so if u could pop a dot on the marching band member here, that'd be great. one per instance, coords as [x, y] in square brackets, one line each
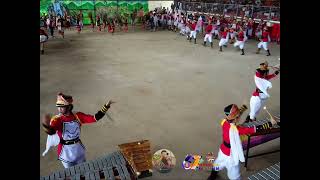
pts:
[241, 38]
[193, 33]
[208, 35]
[64, 130]
[224, 38]
[264, 41]
[215, 31]
[231, 152]
[176, 21]
[250, 28]
[188, 29]
[232, 35]
[260, 95]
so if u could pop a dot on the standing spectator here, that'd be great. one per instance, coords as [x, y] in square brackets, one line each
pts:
[43, 38]
[51, 26]
[155, 21]
[60, 25]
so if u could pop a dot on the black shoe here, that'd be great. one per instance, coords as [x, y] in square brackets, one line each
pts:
[190, 39]
[249, 120]
[258, 51]
[42, 51]
[225, 45]
[211, 44]
[220, 49]
[268, 53]
[195, 41]
[204, 43]
[242, 52]
[213, 175]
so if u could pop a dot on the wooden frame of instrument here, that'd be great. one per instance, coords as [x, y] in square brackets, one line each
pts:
[271, 131]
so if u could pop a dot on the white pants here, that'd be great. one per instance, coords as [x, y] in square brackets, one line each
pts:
[43, 38]
[264, 45]
[223, 41]
[222, 161]
[183, 30]
[41, 46]
[216, 32]
[208, 36]
[193, 34]
[67, 165]
[255, 106]
[239, 43]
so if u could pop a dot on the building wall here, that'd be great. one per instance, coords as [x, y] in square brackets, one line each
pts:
[154, 4]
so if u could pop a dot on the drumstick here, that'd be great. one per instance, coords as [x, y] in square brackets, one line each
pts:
[265, 108]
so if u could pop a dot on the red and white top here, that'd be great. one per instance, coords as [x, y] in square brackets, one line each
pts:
[224, 34]
[193, 26]
[58, 123]
[262, 75]
[225, 135]
[209, 29]
[240, 36]
[265, 36]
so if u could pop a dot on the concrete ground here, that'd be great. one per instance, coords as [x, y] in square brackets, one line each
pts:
[167, 90]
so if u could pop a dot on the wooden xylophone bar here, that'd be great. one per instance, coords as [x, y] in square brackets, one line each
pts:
[269, 135]
[270, 173]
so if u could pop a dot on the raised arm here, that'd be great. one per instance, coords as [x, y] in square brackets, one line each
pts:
[87, 118]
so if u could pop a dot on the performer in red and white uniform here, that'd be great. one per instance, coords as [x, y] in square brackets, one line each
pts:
[260, 95]
[208, 35]
[250, 28]
[241, 38]
[64, 130]
[232, 34]
[264, 41]
[193, 33]
[231, 152]
[43, 38]
[224, 38]
[188, 24]
[215, 31]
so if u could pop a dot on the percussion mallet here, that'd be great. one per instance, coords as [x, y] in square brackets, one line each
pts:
[265, 108]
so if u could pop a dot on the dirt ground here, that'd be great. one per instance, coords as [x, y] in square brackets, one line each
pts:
[167, 90]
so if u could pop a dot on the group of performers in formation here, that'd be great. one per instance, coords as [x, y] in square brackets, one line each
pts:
[227, 29]
[64, 129]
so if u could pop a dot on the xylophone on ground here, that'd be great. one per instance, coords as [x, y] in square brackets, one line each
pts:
[138, 155]
[270, 173]
[109, 167]
[249, 141]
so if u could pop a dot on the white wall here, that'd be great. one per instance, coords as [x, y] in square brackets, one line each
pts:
[153, 4]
